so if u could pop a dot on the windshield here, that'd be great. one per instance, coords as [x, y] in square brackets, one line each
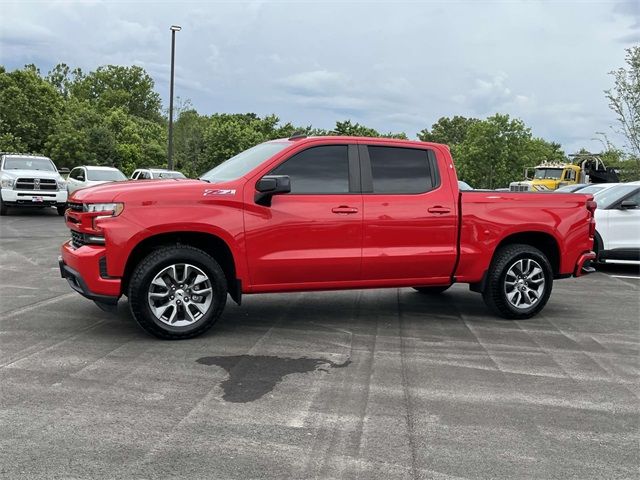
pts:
[554, 173]
[244, 162]
[171, 175]
[29, 163]
[105, 175]
[608, 197]
[591, 189]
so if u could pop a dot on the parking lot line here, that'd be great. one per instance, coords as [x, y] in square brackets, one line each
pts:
[625, 276]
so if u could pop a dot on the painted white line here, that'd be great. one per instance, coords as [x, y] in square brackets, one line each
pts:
[625, 276]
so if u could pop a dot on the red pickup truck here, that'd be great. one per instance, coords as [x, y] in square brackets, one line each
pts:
[318, 213]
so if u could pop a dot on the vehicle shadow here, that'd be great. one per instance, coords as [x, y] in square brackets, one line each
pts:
[619, 268]
[354, 311]
[31, 212]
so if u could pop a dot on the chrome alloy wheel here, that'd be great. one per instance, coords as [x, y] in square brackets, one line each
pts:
[180, 295]
[524, 283]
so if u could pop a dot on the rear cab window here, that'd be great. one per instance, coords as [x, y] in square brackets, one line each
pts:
[398, 170]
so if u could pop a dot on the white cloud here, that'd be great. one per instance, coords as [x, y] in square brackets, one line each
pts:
[313, 63]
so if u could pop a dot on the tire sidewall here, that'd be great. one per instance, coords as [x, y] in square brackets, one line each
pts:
[138, 290]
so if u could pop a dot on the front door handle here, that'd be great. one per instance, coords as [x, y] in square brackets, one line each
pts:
[344, 210]
[438, 209]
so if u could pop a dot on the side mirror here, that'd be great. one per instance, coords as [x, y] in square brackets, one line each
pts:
[271, 185]
[628, 205]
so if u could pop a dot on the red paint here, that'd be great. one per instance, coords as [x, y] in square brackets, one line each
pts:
[312, 242]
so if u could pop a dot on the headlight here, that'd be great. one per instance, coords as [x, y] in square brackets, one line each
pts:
[113, 209]
[62, 184]
[7, 182]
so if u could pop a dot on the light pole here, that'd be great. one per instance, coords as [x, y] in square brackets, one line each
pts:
[174, 29]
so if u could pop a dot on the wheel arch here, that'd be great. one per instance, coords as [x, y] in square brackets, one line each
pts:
[210, 243]
[543, 241]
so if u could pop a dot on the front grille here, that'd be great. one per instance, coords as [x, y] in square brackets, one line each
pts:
[77, 239]
[36, 184]
[519, 188]
[80, 239]
[76, 207]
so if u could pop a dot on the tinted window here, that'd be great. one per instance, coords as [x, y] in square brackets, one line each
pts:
[318, 170]
[144, 176]
[400, 170]
[75, 173]
[634, 198]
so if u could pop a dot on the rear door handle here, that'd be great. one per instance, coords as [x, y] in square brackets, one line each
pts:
[344, 210]
[439, 210]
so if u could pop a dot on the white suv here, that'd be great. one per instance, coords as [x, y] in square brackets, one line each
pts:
[30, 181]
[89, 176]
[618, 222]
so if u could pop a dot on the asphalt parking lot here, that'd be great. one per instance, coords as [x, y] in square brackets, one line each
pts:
[376, 384]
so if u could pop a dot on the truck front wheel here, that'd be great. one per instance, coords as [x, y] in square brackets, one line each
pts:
[519, 282]
[177, 292]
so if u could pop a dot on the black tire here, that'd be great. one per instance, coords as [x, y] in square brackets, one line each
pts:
[598, 247]
[154, 263]
[495, 291]
[432, 290]
[3, 208]
[61, 210]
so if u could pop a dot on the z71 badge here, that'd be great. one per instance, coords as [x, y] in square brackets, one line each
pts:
[210, 191]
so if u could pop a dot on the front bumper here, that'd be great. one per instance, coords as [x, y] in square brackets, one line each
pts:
[33, 198]
[583, 266]
[81, 268]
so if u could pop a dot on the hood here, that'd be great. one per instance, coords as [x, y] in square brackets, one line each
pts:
[138, 189]
[31, 174]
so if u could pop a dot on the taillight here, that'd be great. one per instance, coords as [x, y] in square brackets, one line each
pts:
[591, 206]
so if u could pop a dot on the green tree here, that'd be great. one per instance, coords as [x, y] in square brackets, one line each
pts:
[624, 100]
[450, 131]
[63, 78]
[29, 109]
[112, 86]
[349, 129]
[189, 141]
[495, 152]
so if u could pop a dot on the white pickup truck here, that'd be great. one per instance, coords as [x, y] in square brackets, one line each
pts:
[30, 181]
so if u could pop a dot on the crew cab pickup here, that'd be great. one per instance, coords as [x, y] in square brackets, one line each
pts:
[30, 181]
[318, 213]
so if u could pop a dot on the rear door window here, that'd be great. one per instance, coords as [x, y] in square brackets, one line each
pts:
[398, 170]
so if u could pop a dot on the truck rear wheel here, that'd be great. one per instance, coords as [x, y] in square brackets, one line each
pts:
[177, 292]
[432, 290]
[519, 282]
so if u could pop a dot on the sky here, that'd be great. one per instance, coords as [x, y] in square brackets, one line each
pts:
[390, 65]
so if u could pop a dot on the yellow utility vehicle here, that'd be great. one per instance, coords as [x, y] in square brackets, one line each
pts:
[549, 176]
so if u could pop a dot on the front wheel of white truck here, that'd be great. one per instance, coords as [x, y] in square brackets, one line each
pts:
[519, 282]
[177, 292]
